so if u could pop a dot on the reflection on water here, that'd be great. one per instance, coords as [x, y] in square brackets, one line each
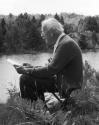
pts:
[8, 74]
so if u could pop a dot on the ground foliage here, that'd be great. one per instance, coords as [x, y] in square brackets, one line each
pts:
[81, 109]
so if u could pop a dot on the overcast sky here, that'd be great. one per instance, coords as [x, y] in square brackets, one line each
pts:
[85, 7]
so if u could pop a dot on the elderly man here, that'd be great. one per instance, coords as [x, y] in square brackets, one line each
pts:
[63, 72]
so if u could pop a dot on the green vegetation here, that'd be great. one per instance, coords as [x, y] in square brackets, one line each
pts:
[21, 34]
[81, 109]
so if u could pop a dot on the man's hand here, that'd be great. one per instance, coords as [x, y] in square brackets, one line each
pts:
[20, 69]
[27, 65]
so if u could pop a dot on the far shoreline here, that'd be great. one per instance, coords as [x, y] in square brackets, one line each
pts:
[34, 52]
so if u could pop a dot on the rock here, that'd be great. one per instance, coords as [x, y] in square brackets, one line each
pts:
[51, 100]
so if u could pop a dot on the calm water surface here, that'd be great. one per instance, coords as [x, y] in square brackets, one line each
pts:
[8, 74]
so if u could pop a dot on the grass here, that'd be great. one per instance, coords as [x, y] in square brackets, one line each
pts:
[81, 109]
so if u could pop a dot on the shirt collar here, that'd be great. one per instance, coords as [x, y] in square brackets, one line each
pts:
[58, 39]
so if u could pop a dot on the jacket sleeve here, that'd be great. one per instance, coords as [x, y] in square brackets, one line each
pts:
[64, 54]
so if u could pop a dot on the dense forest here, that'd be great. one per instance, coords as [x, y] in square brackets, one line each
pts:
[22, 33]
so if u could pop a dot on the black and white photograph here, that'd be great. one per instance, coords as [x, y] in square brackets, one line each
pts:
[49, 62]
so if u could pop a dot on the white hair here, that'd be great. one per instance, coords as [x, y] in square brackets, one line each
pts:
[51, 24]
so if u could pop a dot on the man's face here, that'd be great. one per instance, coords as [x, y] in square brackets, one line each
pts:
[46, 36]
[43, 35]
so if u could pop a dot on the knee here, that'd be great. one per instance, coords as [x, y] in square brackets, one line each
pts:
[23, 77]
[27, 81]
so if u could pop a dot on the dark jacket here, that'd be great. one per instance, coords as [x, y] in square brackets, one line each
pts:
[66, 63]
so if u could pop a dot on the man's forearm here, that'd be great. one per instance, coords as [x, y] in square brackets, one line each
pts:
[39, 71]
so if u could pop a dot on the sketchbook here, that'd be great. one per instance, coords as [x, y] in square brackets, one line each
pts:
[14, 63]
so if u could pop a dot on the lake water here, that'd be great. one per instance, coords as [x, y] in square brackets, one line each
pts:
[8, 74]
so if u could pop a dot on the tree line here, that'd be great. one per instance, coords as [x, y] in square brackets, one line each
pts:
[23, 33]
